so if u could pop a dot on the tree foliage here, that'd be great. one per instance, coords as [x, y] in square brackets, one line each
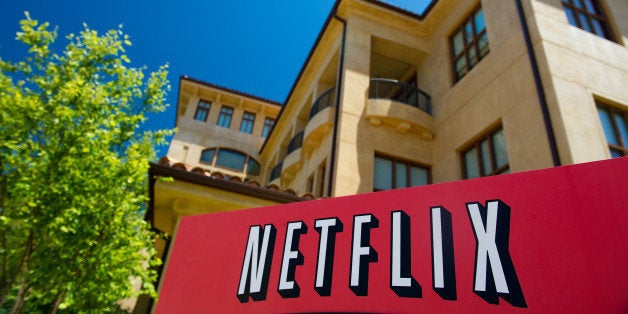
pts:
[73, 165]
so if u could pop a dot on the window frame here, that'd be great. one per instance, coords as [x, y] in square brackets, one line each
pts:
[476, 144]
[474, 44]
[408, 164]
[598, 14]
[248, 122]
[226, 113]
[268, 127]
[202, 109]
[623, 142]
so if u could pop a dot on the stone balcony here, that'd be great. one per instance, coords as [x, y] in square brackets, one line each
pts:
[400, 105]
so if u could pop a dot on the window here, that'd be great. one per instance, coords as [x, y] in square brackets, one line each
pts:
[248, 119]
[268, 126]
[228, 158]
[486, 157]
[469, 44]
[253, 167]
[207, 156]
[614, 123]
[588, 15]
[390, 173]
[202, 110]
[224, 119]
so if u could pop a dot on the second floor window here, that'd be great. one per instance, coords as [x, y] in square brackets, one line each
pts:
[469, 44]
[614, 123]
[248, 119]
[486, 157]
[202, 110]
[230, 159]
[224, 119]
[268, 126]
[391, 173]
[588, 15]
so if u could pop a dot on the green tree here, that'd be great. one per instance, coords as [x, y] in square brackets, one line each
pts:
[73, 165]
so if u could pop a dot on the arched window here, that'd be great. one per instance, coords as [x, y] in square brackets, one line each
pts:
[230, 159]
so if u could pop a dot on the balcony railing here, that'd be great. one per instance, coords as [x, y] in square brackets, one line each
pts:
[400, 92]
[276, 172]
[325, 100]
[295, 143]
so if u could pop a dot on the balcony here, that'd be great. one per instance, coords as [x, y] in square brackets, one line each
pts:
[400, 92]
[295, 143]
[400, 105]
[292, 163]
[276, 172]
[321, 118]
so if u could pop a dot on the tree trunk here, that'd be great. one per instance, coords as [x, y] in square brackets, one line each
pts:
[58, 301]
[24, 265]
[19, 298]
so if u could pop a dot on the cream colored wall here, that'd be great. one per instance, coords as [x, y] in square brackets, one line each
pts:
[499, 90]
[577, 67]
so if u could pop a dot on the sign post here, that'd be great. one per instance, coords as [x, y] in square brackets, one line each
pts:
[553, 240]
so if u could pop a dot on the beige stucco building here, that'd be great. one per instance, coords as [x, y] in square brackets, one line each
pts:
[388, 99]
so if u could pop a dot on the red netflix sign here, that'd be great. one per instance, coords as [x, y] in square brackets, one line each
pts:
[540, 241]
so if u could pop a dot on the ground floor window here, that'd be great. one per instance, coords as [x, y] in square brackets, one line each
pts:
[392, 173]
[487, 156]
[615, 129]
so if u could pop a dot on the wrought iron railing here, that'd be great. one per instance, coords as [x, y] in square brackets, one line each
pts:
[323, 101]
[401, 92]
[295, 143]
[276, 172]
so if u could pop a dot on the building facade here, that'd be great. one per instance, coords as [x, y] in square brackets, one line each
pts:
[389, 99]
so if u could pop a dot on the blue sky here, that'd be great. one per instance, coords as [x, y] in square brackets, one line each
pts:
[257, 47]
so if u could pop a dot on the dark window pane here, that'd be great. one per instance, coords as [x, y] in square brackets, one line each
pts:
[471, 164]
[571, 17]
[499, 145]
[382, 179]
[458, 43]
[208, 155]
[401, 175]
[479, 21]
[623, 129]
[584, 22]
[253, 167]
[590, 6]
[598, 28]
[483, 45]
[578, 3]
[607, 126]
[616, 154]
[473, 57]
[224, 119]
[468, 33]
[230, 159]
[461, 67]
[418, 176]
[202, 110]
[268, 126]
[248, 119]
[486, 157]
